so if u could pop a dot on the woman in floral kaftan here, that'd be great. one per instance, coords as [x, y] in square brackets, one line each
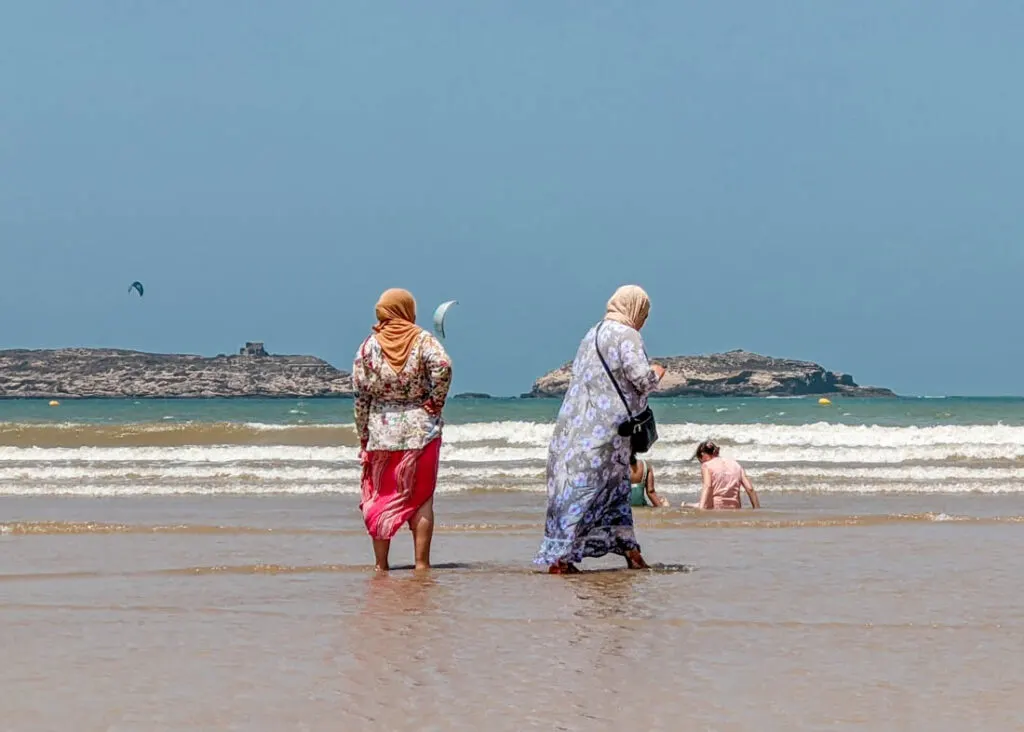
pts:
[588, 462]
[401, 376]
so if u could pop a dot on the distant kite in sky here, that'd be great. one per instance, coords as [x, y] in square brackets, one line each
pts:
[137, 286]
[439, 316]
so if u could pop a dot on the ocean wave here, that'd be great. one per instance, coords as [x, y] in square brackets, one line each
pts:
[182, 434]
[351, 489]
[498, 434]
[166, 488]
[666, 519]
[510, 433]
[166, 459]
[663, 453]
[350, 472]
[129, 480]
[252, 473]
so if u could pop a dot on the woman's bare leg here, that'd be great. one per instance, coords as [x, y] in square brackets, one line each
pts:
[422, 525]
[381, 548]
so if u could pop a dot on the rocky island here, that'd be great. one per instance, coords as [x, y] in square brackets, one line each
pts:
[98, 373]
[732, 374]
[71, 373]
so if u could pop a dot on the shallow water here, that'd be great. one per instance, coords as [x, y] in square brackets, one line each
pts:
[202, 565]
[260, 613]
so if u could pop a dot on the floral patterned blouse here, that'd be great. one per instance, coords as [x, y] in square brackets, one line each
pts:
[389, 407]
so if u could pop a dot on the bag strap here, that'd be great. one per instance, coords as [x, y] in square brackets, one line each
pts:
[604, 363]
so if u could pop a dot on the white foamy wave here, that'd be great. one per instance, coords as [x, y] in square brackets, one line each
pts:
[449, 488]
[350, 488]
[470, 472]
[894, 474]
[510, 433]
[535, 434]
[192, 454]
[153, 472]
[937, 453]
[112, 472]
[820, 434]
[663, 452]
[827, 434]
[249, 454]
[882, 488]
[265, 427]
[105, 490]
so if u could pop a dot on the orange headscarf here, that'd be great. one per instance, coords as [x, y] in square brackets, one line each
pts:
[397, 330]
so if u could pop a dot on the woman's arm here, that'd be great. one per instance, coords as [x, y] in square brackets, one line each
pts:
[652, 494]
[635, 366]
[705, 501]
[363, 399]
[439, 371]
[751, 493]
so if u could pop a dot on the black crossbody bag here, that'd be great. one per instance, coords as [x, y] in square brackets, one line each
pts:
[639, 428]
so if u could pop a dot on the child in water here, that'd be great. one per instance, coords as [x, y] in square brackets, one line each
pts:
[721, 480]
[641, 484]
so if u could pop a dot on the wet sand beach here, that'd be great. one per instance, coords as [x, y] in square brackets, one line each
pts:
[261, 613]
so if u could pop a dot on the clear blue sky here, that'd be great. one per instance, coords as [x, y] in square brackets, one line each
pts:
[835, 181]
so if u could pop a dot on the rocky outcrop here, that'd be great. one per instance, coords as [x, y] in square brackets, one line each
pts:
[735, 374]
[107, 373]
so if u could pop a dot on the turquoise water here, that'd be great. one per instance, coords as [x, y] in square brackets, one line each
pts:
[904, 412]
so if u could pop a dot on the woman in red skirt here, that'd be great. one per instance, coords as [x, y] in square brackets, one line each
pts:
[401, 377]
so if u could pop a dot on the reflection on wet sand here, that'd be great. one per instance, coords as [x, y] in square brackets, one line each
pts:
[779, 628]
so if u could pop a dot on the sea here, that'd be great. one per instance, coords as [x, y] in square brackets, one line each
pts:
[890, 447]
[201, 564]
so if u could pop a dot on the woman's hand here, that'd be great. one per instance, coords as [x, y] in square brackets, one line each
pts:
[658, 501]
[658, 370]
[430, 408]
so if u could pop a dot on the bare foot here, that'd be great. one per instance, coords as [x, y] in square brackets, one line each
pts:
[563, 568]
[422, 566]
[381, 568]
[635, 560]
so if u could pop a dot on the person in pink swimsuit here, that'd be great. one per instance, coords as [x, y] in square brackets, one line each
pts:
[721, 480]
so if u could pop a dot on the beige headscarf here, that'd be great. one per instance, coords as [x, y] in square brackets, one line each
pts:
[629, 306]
[396, 330]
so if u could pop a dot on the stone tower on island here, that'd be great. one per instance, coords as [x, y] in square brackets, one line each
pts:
[254, 349]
